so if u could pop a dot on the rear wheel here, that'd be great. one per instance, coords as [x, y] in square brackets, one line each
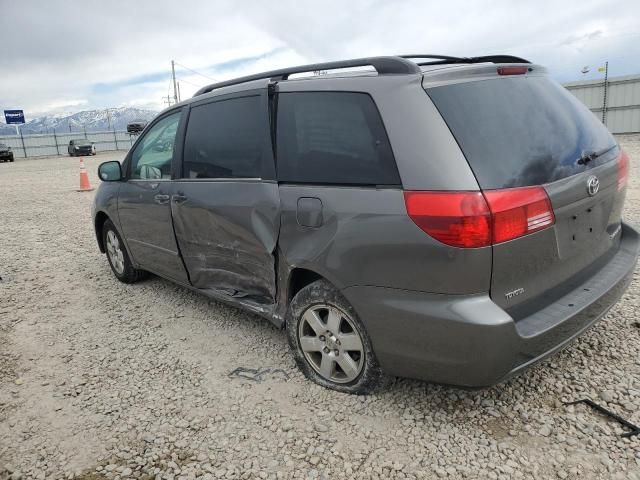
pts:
[329, 342]
[119, 260]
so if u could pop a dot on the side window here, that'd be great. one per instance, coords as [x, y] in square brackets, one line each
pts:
[151, 159]
[333, 138]
[225, 139]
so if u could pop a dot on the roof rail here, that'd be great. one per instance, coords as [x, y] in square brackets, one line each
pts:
[383, 65]
[444, 59]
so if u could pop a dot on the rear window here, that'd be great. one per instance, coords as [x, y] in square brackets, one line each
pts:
[332, 138]
[523, 131]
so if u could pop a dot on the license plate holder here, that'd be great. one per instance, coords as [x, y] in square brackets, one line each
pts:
[580, 230]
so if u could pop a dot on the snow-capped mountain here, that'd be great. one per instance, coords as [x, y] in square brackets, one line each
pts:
[91, 120]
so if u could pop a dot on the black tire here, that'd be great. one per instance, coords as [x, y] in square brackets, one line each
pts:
[321, 293]
[11, 160]
[129, 273]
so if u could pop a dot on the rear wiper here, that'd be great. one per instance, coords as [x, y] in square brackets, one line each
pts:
[587, 157]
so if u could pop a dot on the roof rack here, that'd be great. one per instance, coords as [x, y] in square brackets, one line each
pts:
[444, 59]
[383, 65]
[401, 64]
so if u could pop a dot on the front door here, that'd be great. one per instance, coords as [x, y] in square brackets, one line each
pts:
[226, 207]
[144, 203]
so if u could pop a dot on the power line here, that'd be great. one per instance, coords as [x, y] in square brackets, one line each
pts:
[190, 83]
[196, 72]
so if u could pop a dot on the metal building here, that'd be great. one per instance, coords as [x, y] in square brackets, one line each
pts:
[622, 109]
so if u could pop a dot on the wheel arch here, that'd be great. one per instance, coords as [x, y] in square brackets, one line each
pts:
[299, 278]
[292, 279]
[98, 224]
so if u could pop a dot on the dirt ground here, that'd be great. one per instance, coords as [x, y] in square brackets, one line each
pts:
[104, 380]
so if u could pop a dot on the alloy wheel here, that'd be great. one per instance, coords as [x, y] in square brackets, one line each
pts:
[115, 252]
[331, 343]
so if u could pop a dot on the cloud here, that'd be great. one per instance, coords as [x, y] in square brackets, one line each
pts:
[118, 53]
[582, 39]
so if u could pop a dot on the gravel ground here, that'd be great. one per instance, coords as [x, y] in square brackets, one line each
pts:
[104, 380]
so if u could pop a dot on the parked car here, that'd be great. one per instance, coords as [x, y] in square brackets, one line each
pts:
[448, 219]
[6, 155]
[136, 127]
[81, 146]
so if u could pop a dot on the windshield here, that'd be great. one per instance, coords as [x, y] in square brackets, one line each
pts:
[522, 131]
[82, 143]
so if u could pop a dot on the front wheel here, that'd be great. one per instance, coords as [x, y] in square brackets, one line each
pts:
[329, 342]
[119, 261]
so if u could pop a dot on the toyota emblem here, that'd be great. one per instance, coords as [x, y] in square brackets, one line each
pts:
[593, 185]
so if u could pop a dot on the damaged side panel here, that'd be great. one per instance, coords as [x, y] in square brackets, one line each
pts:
[227, 233]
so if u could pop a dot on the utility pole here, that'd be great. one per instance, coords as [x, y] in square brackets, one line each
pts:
[173, 75]
[604, 96]
[109, 118]
[179, 99]
[167, 100]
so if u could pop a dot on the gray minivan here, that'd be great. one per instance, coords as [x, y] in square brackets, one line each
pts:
[442, 218]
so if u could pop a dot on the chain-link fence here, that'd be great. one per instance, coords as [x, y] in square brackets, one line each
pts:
[38, 145]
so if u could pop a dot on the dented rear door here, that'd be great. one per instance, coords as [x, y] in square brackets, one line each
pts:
[225, 205]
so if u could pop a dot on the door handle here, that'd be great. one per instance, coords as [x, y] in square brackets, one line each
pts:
[161, 199]
[179, 198]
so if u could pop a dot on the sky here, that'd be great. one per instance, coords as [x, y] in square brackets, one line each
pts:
[60, 57]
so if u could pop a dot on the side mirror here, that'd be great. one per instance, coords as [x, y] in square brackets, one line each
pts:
[110, 171]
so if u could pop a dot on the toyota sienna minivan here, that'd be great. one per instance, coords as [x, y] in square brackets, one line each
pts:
[448, 219]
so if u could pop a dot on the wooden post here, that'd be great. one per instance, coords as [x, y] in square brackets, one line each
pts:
[24, 149]
[55, 139]
[604, 99]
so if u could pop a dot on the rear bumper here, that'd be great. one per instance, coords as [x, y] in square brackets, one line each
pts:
[469, 340]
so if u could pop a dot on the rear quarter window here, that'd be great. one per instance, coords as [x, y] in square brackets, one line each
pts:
[332, 138]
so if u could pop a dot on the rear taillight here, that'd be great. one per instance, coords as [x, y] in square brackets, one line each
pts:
[623, 169]
[459, 219]
[475, 219]
[518, 211]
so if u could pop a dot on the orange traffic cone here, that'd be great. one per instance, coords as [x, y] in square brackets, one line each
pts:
[85, 186]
